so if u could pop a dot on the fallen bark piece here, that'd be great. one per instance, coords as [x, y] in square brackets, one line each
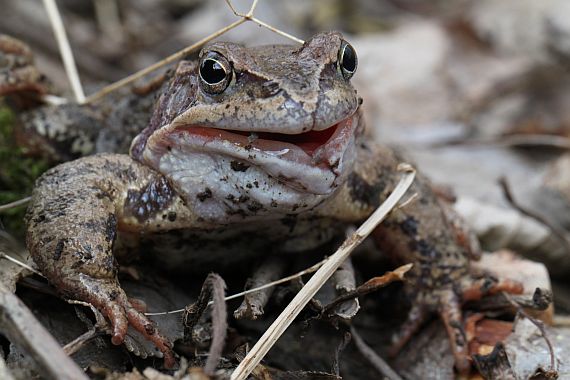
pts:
[253, 303]
[525, 354]
[495, 365]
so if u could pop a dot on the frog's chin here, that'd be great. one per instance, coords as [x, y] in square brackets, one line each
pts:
[204, 162]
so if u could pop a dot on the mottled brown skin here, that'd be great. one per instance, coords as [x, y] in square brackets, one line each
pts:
[80, 209]
[17, 71]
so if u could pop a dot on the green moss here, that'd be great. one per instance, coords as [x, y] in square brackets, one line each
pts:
[17, 173]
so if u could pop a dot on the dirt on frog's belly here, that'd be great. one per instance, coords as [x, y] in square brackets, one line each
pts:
[194, 250]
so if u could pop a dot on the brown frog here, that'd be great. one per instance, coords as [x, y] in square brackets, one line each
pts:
[261, 147]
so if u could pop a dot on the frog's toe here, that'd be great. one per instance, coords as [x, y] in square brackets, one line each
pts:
[116, 315]
[108, 297]
[143, 325]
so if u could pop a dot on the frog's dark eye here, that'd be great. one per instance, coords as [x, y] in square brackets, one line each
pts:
[347, 60]
[215, 72]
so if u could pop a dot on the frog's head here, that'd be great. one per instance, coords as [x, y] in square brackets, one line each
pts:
[257, 128]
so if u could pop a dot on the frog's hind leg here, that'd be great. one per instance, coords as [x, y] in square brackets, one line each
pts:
[450, 312]
[417, 316]
[448, 307]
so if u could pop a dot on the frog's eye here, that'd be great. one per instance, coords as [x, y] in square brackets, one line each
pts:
[215, 72]
[347, 60]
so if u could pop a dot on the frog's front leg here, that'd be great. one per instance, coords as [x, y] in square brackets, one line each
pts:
[77, 208]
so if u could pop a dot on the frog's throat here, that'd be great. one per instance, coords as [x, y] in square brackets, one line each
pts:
[265, 166]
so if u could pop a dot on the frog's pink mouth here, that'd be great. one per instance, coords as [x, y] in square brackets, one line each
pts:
[312, 162]
[308, 141]
[314, 148]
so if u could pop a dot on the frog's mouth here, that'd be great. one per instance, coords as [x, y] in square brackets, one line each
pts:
[313, 148]
[312, 161]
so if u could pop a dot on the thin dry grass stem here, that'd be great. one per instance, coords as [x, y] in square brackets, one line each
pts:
[18, 262]
[64, 49]
[244, 15]
[311, 269]
[408, 201]
[249, 16]
[292, 310]
[14, 204]
[275, 30]
[131, 78]
[78, 343]
[243, 18]
[520, 140]
[557, 231]
[372, 285]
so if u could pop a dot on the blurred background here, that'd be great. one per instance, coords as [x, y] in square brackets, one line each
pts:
[472, 91]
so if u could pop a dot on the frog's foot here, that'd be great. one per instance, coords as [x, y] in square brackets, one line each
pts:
[107, 296]
[18, 73]
[447, 303]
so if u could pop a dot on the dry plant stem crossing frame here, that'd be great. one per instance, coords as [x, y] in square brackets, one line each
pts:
[64, 49]
[278, 327]
[243, 18]
[17, 203]
[71, 68]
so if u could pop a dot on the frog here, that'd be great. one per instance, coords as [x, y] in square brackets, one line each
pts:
[263, 149]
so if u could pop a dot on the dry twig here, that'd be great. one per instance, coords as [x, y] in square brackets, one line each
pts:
[219, 325]
[14, 204]
[311, 269]
[376, 361]
[64, 49]
[346, 338]
[540, 326]
[369, 286]
[243, 18]
[279, 326]
[254, 302]
[20, 263]
[521, 140]
[76, 344]
[213, 287]
[556, 231]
